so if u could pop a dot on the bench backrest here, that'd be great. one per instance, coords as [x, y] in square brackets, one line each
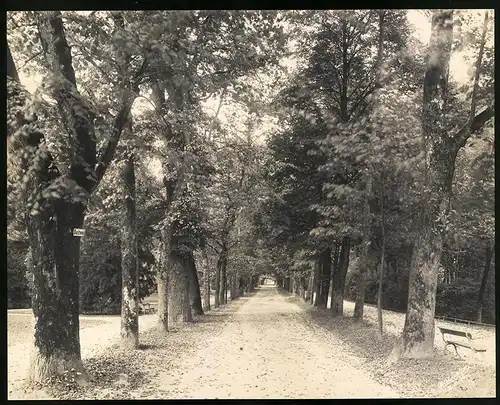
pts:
[455, 332]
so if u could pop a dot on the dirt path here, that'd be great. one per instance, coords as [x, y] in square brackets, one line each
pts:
[268, 344]
[268, 351]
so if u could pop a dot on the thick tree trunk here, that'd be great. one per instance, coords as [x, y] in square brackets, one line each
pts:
[179, 308]
[337, 306]
[55, 299]
[484, 279]
[194, 285]
[326, 269]
[54, 261]
[417, 340]
[130, 267]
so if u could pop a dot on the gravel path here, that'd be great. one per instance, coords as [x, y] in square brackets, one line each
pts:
[267, 344]
[267, 350]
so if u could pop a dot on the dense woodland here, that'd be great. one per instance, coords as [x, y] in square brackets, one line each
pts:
[197, 161]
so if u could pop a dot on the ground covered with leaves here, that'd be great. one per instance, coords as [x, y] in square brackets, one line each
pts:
[264, 345]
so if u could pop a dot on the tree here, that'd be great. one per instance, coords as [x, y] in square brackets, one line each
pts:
[58, 188]
[417, 339]
[130, 265]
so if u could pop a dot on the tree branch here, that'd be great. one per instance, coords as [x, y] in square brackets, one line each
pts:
[107, 153]
[474, 126]
[476, 122]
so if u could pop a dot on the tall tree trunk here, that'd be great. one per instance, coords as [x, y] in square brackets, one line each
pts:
[310, 289]
[55, 303]
[317, 281]
[484, 279]
[382, 259]
[226, 286]
[418, 334]
[365, 262]
[130, 267]
[337, 307]
[326, 269]
[335, 269]
[54, 257]
[417, 339]
[162, 281]
[217, 280]
[206, 265]
[179, 308]
[223, 282]
[194, 285]
[302, 287]
[55, 251]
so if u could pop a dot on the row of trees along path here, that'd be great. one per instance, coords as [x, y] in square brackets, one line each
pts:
[320, 190]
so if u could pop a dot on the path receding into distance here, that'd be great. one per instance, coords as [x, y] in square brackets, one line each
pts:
[262, 345]
[267, 349]
[267, 344]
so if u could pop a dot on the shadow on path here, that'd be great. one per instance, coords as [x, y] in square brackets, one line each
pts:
[422, 376]
[118, 372]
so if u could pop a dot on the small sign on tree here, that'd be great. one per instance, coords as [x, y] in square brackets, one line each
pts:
[78, 232]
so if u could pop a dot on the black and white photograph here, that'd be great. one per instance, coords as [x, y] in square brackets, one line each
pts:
[250, 204]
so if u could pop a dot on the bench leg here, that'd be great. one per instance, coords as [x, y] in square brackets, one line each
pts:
[456, 351]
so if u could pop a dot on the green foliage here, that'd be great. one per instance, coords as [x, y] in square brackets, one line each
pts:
[100, 284]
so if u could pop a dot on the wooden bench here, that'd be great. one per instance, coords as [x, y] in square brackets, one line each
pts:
[467, 344]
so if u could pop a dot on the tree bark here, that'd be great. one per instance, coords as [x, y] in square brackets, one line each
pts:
[11, 66]
[55, 303]
[326, 268]
[484, 279]
[54, 257]
[382, 260]
[337, 306]
[335, 270]
[417, 340]
[179, 308]
[223, 281]
[317, 283]
[129, 331]
[194, 285]
[310, 289]
[226, 288]
[221, 266]
[55, 251]
[206, 265]
[367, 240]
[162, 281]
